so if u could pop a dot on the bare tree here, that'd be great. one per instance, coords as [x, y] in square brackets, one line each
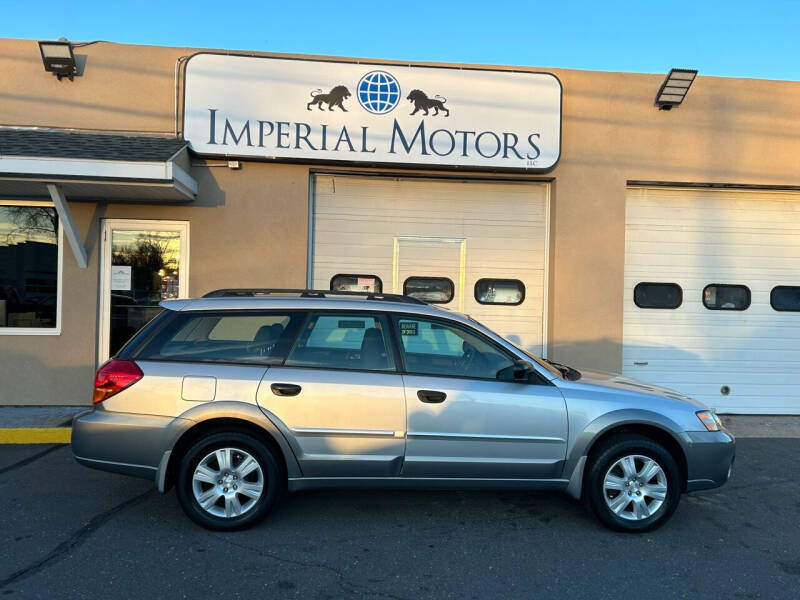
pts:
[146, 257]
[31, 221]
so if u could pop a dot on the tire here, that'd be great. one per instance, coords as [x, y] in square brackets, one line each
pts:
[226, 471]
[640, 504]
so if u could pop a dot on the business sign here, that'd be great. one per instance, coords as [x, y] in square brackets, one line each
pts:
[311, 110]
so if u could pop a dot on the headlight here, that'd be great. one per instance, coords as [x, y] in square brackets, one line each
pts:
[709, 419]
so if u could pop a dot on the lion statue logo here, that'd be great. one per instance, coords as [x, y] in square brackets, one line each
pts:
[422, 102]
[333, 98]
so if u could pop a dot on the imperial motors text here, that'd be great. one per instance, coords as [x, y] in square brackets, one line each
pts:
[417, 139]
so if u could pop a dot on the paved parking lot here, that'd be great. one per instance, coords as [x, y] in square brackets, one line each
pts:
[70, 532]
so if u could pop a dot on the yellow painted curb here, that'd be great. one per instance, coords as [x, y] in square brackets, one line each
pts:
[35, 435]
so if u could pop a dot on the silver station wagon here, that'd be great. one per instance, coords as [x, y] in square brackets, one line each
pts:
[238, 396]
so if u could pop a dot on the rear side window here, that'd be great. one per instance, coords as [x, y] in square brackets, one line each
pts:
[436, 290]
[724, 296]
[785, 298]
[356, 283]
[240, 337]
[343, 341]
[500, 291]
[657, 295]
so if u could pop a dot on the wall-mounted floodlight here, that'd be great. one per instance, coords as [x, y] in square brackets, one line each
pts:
[58, 58]
[674, 89]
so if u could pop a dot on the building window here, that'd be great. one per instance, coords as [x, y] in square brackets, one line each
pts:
[436, 290]
[657, 295]
[30, 269]
[785, 298]
[500, 291]
[723, 296]
[356, 283]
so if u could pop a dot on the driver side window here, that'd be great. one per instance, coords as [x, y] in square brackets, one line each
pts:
[432, 347]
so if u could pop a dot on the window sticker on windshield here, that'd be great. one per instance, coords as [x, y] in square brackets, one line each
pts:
[351, 325]
[408, 328]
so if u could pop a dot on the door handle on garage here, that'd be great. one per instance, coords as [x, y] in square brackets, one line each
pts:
[285, 389]
[431, 397]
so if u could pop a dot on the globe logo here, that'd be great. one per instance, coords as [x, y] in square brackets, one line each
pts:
[378, 92]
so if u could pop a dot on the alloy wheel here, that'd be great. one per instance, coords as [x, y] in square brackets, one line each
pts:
[635, 487]
[227, 482]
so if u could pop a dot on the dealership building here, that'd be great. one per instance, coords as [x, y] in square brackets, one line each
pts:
[637, 223]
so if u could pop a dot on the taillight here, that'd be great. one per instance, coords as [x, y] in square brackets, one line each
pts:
[113, 377]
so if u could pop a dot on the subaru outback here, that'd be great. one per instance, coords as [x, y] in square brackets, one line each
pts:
[241, 395]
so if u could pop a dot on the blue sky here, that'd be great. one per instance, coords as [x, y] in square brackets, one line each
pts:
[736, 39]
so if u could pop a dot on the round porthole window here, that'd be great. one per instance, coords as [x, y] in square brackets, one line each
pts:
[724, 390]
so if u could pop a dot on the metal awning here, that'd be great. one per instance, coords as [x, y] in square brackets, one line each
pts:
[57, 165]
[90, 166]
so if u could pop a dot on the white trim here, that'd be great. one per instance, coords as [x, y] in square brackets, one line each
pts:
[184, 182]
[59, 278]
[147, 171]
[546, 274]
[104, 290]
[68, 224]
[72, 167]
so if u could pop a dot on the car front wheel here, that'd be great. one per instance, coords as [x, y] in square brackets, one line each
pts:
[633, 483]
[228, 481]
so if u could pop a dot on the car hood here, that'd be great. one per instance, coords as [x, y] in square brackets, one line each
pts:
[619, 382]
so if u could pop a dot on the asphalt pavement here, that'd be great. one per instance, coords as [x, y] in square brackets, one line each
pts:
[70, 532]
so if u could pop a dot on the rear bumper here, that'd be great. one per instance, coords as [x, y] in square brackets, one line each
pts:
[121, 442]
[709, 458]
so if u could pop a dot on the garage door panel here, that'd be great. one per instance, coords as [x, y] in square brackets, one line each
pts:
[695, 238]
[720, 357]
[357, 221]
[695, 321]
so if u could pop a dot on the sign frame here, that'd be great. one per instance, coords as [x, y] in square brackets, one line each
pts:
[377, 164]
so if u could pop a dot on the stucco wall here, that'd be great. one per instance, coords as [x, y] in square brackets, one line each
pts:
[251, 233]
[249, 227]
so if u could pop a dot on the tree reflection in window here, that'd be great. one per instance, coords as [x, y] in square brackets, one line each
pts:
[28, 266]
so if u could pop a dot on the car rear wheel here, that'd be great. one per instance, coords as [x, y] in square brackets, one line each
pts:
[228, 480]
[633, 483]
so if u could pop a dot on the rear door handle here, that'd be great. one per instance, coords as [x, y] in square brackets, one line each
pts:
[285, 389]
[431, 397]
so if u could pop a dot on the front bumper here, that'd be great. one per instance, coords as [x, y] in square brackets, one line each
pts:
[709, 458]
[123, 443]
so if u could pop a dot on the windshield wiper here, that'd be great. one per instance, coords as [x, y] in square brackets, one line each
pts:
[567, 373]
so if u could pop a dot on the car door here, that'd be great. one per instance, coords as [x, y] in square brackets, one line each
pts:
[339, 397]
[466, 415]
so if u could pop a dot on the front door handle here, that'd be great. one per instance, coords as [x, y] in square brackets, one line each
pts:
[431, 397]
[285, 389]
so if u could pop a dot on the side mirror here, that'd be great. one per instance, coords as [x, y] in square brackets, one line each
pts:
[522, 370]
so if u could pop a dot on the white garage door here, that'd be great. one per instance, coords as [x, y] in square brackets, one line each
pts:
[412, 230]
[722, 248]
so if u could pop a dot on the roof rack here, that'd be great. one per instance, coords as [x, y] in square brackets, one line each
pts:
[255, 292]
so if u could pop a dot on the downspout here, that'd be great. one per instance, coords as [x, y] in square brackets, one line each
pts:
[178, 63]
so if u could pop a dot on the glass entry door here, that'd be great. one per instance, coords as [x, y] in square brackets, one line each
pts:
[143, 263]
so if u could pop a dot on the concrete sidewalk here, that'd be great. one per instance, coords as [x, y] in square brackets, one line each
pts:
[37, 424]
[763, 426]
[38, 416]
